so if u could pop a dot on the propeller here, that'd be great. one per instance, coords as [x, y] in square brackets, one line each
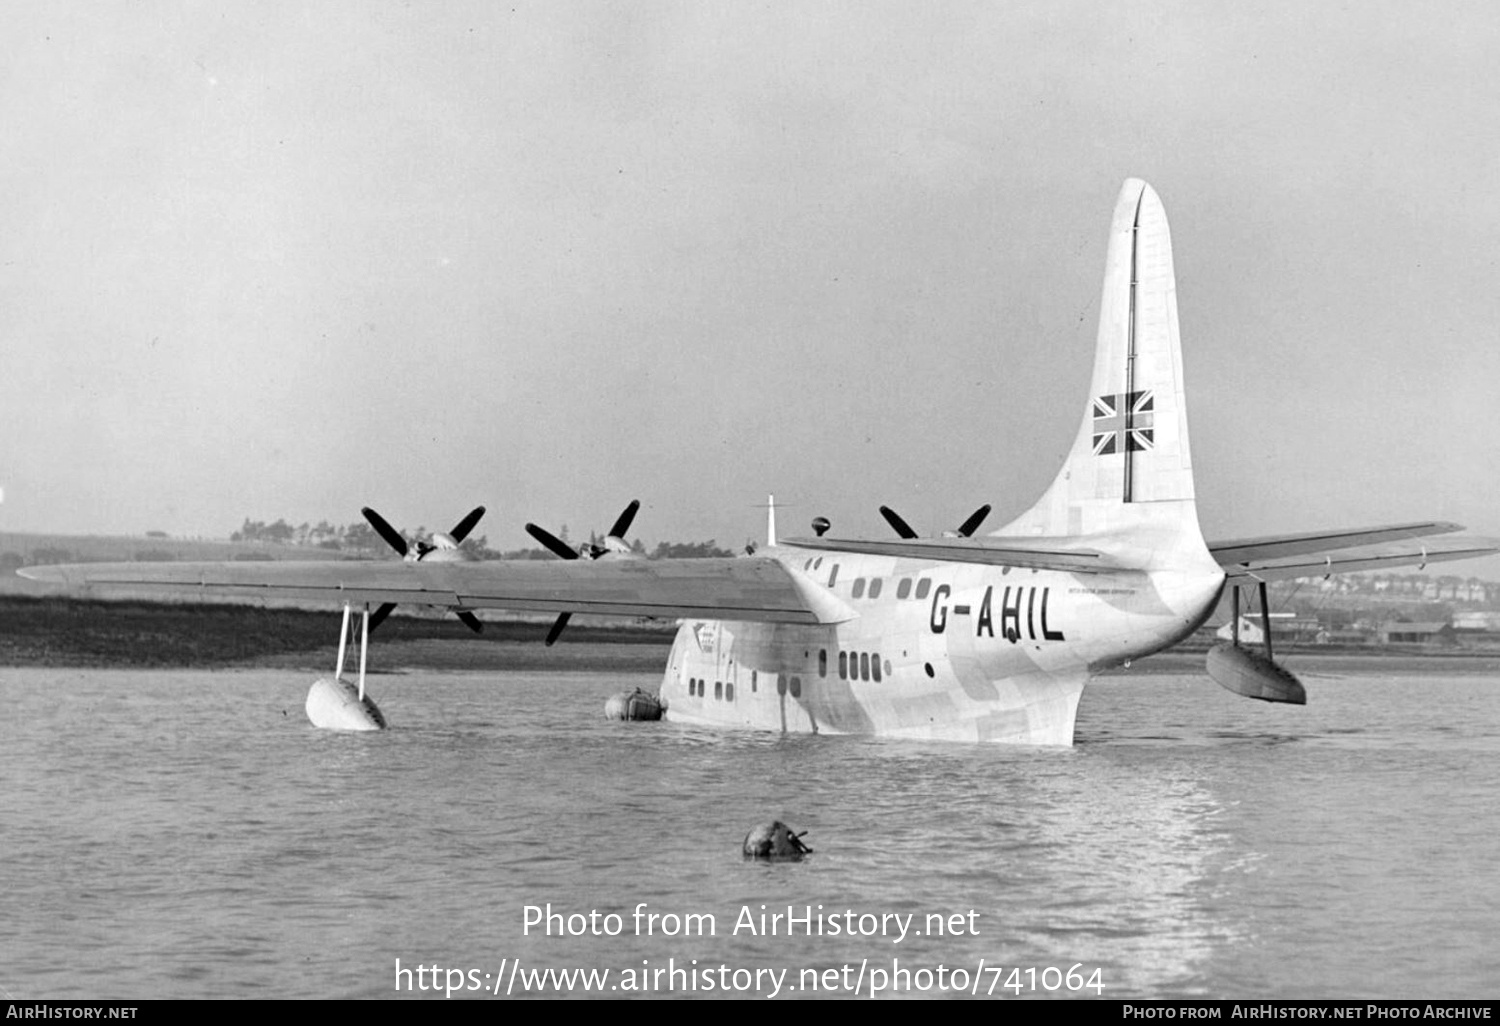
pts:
[968, 527]
[416, 551]
[613, 542]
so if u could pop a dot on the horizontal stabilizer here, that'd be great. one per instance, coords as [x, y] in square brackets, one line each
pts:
[1026, 553]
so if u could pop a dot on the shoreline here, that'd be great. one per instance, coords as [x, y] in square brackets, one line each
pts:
[75, 633]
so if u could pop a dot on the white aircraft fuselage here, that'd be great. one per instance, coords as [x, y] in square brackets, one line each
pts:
[937, 650]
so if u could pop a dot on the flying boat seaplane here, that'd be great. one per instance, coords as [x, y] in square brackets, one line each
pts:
[958, 637]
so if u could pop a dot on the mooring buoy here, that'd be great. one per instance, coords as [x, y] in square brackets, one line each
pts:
[775, 842]
[634, 705]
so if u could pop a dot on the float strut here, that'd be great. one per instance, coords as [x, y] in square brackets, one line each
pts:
[364, 644]
[338, 674]
[1265, 620]
[1235, 630]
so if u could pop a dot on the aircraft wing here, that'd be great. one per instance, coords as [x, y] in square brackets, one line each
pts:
[753, 589]
[1038, 554]
[1331, 552]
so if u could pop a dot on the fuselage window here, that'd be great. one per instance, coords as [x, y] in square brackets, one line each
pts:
[859, 587]
[781, 683]
[822, 662]
[864, 666]
[753, 686]
[843, 666]
[875, 666]
[875, 587]
[817, 562]
[796, 687]
[729, 692]
[923, 587]
[833, 575]
[887, 667]
[904, 588]
[718, 689]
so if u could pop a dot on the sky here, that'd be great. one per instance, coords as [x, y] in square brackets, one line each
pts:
[284, 260]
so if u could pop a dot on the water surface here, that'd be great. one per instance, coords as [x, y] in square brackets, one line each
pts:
[187, 834]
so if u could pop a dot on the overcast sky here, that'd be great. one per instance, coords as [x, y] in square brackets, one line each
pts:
[288, 259]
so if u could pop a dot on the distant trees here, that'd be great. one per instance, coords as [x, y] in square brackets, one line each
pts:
[360, 537]
[689, 550]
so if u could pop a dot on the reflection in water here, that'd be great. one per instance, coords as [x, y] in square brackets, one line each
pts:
[1127, 859]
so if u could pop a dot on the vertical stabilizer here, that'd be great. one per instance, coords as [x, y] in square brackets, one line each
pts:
[1130, 462]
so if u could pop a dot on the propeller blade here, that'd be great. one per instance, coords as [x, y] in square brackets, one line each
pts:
[557, 545]
[464, 526]
[378, 617]
[900, 526]
[557, 627]
[976, 518]
[470, 620]
[392, 537]
[622, 523]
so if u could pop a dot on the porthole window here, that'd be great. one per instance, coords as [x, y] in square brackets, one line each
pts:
[875, 588]
[796, 687]
[923, 587]
[903, 589]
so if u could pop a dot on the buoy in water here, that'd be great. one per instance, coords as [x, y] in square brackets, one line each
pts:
[634, 705]
[335, 705]
[775, 842]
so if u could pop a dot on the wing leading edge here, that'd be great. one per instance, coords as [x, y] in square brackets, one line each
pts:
[750, 589]
[1333, 552]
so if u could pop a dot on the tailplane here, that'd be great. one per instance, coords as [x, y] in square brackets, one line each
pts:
[1130, 465]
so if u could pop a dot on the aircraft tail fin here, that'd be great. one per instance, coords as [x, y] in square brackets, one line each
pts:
[1130, 464]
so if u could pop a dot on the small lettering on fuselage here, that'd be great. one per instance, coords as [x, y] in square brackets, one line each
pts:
[1013, 600]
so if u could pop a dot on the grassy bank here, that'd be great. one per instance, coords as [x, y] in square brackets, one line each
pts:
[91, 633]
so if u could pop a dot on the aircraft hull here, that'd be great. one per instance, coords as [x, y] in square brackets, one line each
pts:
[982, 655]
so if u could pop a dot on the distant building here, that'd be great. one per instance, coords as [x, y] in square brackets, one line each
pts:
[1431, 634]
[1477, 620]
[1284, 627]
